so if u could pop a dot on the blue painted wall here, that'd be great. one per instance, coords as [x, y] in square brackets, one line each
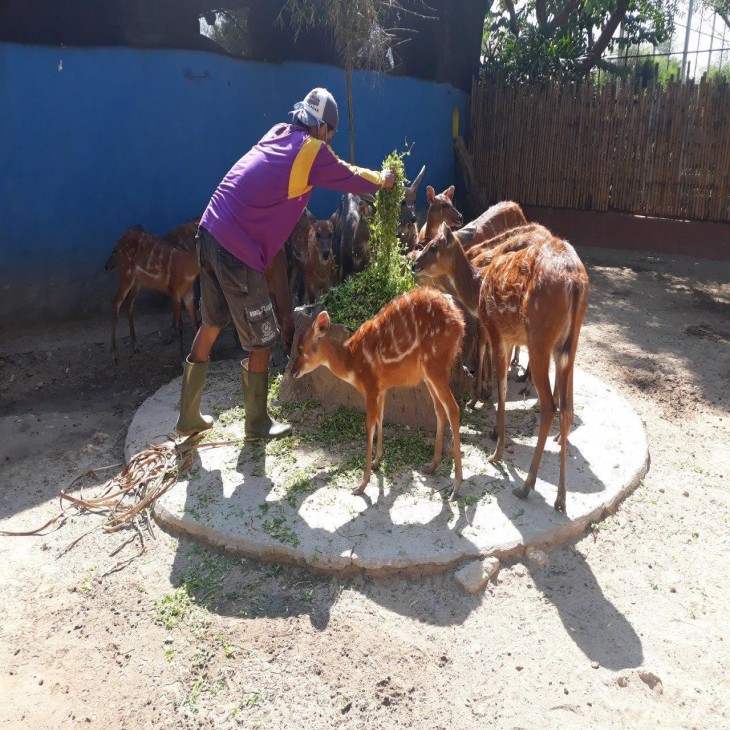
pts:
[95, 140]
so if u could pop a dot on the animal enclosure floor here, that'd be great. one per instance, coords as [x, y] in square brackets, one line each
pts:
[625, 626]
[291, 500]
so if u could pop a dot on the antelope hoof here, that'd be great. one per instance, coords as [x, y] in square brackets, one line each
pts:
[521, 492]
[559, 504]
[495, 457]
[357, 491]
[455, 490]
[431, 468]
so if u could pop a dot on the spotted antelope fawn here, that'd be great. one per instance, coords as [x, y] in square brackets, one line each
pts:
[414, 338]
[533, 292]
[144, 260]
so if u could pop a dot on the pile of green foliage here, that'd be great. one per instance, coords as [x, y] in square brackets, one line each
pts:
[363, 295]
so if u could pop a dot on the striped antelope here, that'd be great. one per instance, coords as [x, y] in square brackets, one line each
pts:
[441, 210]
[414, 338]
[144, 260]
[477, 238]
[533, 292]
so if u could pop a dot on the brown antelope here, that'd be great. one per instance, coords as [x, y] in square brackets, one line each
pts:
[483, 233]
[319, 270]
[534, 293]
[183, 236]
[482, 253]
[440, 210]
[480, 256]
[414, 338]
[144, 260]
[312, 265]
[496, 219]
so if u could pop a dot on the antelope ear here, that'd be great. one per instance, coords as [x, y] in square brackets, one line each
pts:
[321, 325]
[334, 218]
[449, 193]
[430, 193]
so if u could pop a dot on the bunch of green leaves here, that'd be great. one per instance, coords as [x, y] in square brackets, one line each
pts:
[363, 295]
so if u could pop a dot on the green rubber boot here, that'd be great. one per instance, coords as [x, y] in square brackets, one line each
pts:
[193, 380]
[258, 424]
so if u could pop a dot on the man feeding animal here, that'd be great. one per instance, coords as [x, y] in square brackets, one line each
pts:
[246, 223]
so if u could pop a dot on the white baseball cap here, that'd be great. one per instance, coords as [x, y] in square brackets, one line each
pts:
[319, 106]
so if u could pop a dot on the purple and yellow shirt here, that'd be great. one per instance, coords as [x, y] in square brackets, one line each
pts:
[255, 208]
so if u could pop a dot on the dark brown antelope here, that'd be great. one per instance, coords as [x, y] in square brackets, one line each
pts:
[351, 237]
[407, 222]
[146, 261]
[414, 338]
[534, 293]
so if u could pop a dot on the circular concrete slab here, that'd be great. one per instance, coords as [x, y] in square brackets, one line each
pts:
[290, 500]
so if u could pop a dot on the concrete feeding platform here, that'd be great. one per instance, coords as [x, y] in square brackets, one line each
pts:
[290, 501]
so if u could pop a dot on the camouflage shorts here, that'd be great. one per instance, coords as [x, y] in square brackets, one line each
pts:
[230, 290]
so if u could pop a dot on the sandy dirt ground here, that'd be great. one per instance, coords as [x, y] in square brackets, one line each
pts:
[626, 627]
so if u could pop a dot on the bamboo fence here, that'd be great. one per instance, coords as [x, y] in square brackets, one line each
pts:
[654, 151]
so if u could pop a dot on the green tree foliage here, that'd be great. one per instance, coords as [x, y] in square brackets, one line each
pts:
[229, 29]
[647, 64]
[568, 39]
[359, 36]
[721, 7]
[359, 28]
